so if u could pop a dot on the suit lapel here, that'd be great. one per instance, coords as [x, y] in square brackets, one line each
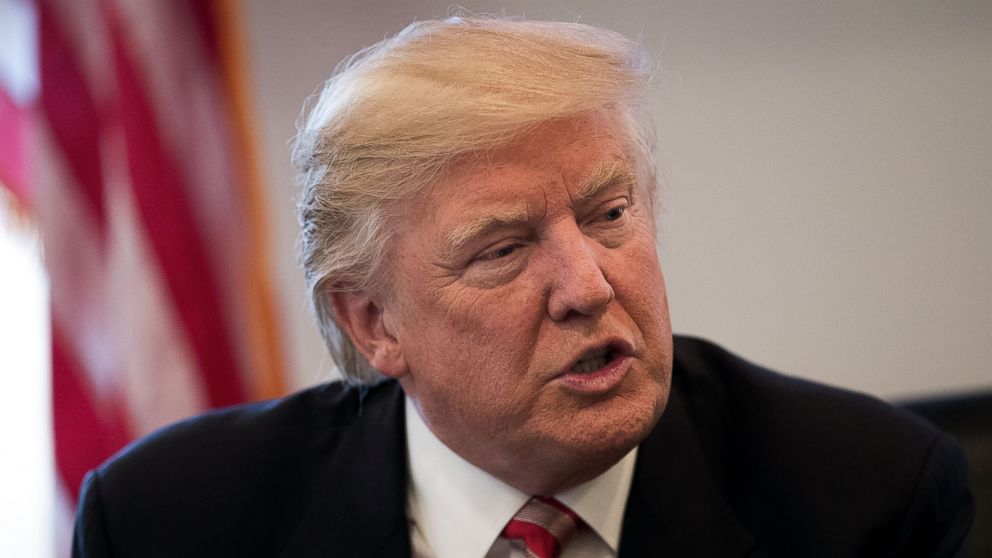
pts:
[361, 507]
[675, 507]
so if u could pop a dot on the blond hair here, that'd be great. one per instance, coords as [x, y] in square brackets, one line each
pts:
[394, 116]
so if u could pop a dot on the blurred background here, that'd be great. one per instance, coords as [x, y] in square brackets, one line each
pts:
[826, 186]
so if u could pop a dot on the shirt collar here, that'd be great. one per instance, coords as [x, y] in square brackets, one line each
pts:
[460, 509]
[602, 501]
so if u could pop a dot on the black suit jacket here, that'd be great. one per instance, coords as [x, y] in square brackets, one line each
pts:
[744, 462]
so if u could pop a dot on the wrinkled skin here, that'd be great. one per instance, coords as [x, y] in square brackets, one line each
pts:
[505, 274]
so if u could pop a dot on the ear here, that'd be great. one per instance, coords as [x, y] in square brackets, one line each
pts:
[363, 321]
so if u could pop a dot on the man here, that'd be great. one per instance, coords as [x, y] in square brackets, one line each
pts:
[479, 246]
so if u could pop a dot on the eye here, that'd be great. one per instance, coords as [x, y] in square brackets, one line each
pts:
[498, 253]
[615, 213]
[611, 222]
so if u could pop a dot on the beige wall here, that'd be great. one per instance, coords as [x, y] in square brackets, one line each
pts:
[827, 166]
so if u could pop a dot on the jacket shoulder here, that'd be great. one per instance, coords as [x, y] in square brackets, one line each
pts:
[253, 434]
[236, 481]
[820, 465]
[714, 379]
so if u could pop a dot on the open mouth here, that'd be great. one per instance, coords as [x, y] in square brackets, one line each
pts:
[598, 371]
[593, 360]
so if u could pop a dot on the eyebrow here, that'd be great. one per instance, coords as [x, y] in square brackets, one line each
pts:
[617, 172]
[464, 234]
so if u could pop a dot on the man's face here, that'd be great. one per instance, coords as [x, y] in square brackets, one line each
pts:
[530, 309]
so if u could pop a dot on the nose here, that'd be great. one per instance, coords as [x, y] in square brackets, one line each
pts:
[578, 285]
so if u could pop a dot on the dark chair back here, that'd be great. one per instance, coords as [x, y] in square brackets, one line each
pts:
[969, 419]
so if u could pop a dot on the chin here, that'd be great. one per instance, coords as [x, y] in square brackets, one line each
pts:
[611, 431]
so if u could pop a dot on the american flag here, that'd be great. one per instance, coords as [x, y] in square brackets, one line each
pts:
[131, 146]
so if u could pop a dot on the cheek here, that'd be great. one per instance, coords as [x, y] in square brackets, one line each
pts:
[480, 336]
[640, 286]
[636, 263]
[469, 356]
[496, 316]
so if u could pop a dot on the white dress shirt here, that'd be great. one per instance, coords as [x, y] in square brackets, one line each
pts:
[457, 510]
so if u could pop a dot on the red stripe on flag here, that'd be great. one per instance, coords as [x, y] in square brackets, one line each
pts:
[161, 200]
[205, 20]
[71, 111]
[83, 436]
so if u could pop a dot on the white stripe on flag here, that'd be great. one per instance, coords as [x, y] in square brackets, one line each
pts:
[160, 378]
[77, 267]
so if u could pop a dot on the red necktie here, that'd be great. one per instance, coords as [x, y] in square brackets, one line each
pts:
[544, 525]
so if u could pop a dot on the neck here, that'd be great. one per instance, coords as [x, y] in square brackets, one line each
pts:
[547, 477]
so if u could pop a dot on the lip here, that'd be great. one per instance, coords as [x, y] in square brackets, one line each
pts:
[604, 380]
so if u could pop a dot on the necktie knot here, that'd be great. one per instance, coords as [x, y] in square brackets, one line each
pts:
[544, 525]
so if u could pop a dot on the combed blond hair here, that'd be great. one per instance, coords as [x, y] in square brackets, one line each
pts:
[393, 117]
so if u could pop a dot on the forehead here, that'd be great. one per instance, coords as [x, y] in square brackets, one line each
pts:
[571, 155]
